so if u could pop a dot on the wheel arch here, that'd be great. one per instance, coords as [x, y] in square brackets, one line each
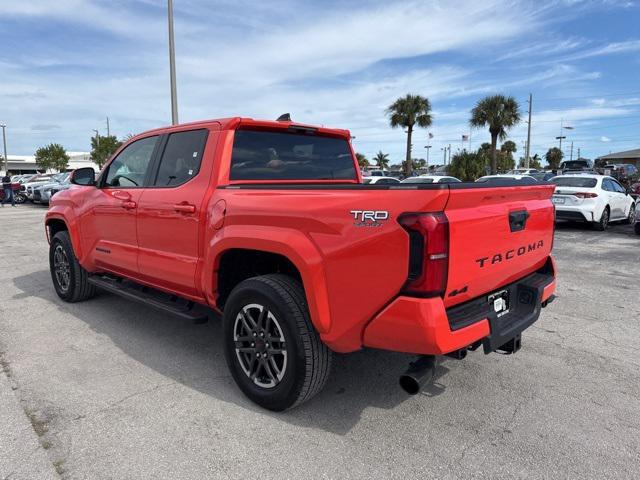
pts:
[284, 250]
[55, 223]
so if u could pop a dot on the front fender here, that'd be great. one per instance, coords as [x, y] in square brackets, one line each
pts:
[292, 244]
[65, 214]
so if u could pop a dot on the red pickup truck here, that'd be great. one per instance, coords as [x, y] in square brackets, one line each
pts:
[269, 224]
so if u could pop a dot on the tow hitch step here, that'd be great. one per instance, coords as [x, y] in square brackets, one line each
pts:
[180, 307]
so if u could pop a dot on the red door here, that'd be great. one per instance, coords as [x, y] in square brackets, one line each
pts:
[170, 212]
[108, 227]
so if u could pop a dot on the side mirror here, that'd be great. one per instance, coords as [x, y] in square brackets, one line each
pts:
[83, 176]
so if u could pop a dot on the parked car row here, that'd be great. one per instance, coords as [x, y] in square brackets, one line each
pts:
[40, 187]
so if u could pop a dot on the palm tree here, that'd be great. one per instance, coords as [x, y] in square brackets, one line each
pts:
[382, 159]
[499, 113]
[362, 160]
[406, 112]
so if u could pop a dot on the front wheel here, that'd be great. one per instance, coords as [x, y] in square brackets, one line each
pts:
[274, 353]
[69, 278]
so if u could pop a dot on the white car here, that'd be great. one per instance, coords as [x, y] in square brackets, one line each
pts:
[380, 180]
[597, 199]
[637, 226]
[522, 171]
[528, 179]
[431, 179]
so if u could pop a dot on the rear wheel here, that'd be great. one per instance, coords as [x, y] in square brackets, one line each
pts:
[604, 220]
[272, 349]
[69, 278]
[632, 215]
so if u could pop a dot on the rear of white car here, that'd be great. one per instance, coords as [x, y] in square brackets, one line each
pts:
[596, 199]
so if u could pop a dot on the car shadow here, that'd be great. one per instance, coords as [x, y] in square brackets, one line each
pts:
[192, 355]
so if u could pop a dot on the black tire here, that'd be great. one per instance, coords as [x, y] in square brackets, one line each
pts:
[631, 218]
[306, 360]
[70, 281]
[637, 228]
[603, 223]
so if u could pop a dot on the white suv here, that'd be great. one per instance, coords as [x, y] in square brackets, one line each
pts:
[598, 199]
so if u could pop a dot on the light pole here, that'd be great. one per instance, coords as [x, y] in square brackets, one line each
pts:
[526, 155]
[4, 143]
[562, 137]
[444, 149]
[172, 67]
[428, 147]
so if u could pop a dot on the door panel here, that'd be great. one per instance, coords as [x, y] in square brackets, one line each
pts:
[109, 226]
[170, 215]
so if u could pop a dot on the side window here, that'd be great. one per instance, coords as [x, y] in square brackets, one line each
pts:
[618, 188]
[181, 158]
[130, 167]
[606, 185]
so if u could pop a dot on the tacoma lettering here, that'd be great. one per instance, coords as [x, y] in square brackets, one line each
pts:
[510, 254]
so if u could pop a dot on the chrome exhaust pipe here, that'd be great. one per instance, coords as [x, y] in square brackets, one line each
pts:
[419, 374]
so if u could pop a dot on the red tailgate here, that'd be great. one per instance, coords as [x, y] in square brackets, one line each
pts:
[489, 247]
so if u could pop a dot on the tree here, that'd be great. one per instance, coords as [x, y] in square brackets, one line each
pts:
[554, 157]
[406, 112]
[509, 147]
[53, 156]
[382, 159]
[102, 147]
[467, 166]
[534, 162]
[362, 160]
[499, 113]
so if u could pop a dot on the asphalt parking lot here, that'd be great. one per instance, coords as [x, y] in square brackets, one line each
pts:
[111, 389]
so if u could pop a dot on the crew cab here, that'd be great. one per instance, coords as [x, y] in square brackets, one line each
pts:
[268, 223]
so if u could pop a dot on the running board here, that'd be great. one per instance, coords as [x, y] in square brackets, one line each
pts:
[166, 302]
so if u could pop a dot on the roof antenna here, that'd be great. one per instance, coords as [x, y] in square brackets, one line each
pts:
[285, 117]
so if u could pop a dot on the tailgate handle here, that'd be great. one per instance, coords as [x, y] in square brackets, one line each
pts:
[518, 220]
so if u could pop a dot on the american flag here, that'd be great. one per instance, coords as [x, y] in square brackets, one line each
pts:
[430, 135]
[465, 138]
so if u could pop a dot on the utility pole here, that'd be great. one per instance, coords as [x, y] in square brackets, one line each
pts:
[108, 131]
[571, 156]
[428, 147]
[97, 138]
[172, 67]
[449, 154]
[4, 143]
[526, 155]
[578, 153]
[444, 149]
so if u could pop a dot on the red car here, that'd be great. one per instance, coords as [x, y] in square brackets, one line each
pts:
[269, 224]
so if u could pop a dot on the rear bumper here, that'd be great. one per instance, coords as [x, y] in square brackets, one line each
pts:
[574, 213]
[424, 326]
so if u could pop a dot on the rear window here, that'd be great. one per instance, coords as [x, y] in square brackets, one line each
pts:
[575, 182]
[262, 155]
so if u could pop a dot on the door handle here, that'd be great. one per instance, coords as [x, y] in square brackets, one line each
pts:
[129, 205]
[121, 195]
[185, 208]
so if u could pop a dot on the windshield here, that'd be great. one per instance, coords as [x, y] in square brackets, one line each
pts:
[265, 155]
[580, 182]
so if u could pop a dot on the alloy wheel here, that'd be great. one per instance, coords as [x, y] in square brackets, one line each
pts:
[260, 345]
[61, 268]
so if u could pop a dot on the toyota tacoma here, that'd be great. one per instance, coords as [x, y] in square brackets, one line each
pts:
[268, 223]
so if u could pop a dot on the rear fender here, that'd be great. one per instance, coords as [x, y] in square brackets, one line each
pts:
[289, 243]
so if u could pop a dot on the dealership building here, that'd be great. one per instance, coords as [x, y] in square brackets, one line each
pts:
[27, 163]
[628, 156]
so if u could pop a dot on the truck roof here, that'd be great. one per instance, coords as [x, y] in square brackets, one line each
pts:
[233, 123]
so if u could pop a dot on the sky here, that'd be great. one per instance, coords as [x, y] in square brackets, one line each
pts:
[67, 65]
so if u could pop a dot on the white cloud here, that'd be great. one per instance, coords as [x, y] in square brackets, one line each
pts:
[605, 139]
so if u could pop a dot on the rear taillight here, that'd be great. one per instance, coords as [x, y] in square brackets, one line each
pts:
[428, 253]
[585, 194]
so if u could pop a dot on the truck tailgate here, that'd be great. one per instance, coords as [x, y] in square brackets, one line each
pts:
[497, 235]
